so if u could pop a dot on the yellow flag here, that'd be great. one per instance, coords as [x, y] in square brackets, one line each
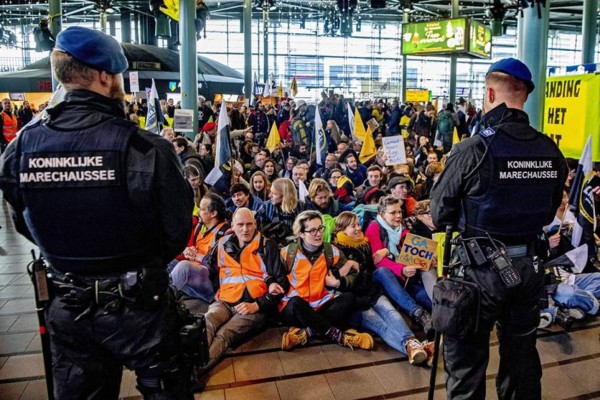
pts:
[455, 138]
[280, 90]
[368, 149]
[274, 138]
[171, 8]
[435, 105]
[294, 87]
[359, 127]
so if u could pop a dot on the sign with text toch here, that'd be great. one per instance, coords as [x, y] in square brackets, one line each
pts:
[417, 251]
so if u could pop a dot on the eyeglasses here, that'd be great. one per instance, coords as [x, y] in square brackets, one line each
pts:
[313, 232]
[394, 212]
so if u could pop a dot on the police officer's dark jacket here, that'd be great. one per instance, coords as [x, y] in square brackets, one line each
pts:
[97, 194]
[513, 192]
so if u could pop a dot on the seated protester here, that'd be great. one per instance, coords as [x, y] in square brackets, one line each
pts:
[320, 198]
[375, 312]
[194, 178]
[355, 171]
[270, 170]
[189, 275]
[186, 152]
[257, 164]
[432, 174]
[401, 282]
[168, 133]
[276, 216]
[399, 187]
[306, 166]
[260, 186]
[313, 306]
[331, 162]
[242, 198]
[290, 163]
[245, 294]
[206, 157]
[299, 173]
[342, 187]
[374, 179]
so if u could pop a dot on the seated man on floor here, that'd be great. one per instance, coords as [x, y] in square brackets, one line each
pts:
[187, 272]
[245, 294]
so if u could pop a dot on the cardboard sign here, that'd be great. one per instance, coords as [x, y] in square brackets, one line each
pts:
[394, 150]
[183, 120]
[134, 82]
[417, 251]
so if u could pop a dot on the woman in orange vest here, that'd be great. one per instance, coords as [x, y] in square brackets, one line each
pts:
[188, 274]
[10, 123]
[315, 304]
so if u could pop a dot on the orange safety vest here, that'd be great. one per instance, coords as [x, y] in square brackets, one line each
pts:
[308, 280]
[207, 240]
[10, 126]
[249, 273]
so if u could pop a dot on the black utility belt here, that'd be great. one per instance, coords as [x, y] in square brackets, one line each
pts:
[145, 287]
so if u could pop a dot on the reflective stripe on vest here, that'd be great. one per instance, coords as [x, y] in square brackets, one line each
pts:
[249, 273]
[308, 280]
[206, 241]
[9, 127]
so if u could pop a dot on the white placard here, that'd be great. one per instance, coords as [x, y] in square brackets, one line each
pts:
[134, 82]
[394, 150]
[183, 120]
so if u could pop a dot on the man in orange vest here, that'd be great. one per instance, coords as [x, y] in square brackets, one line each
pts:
[8, 123]
[252, 280]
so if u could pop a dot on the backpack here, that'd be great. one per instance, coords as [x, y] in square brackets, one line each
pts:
[299, 131]
[445, 123]
[293, 249]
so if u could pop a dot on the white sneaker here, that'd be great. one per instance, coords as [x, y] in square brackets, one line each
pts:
[545, 320]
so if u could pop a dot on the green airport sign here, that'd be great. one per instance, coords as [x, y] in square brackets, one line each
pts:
[480, 39]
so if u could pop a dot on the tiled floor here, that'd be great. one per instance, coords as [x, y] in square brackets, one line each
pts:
[258, 370]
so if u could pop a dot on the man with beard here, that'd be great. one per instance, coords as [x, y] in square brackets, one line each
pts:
[108, 205]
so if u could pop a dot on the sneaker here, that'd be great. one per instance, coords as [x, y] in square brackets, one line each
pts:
[423, 318]
[352, 338]
[415, 352]
[545, 320]
[293, 337]
[429, 347]
[576, 313]
[564, 320]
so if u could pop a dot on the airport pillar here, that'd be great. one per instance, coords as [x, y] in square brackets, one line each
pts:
[589, 30]
[188, 60]
[55, 12]
[247, 26]
[532, 49]
[404, 62]
[125, 26]
[266, 45]
[453, 61]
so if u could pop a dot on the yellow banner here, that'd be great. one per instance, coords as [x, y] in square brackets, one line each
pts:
[415, 96]
[572, 113]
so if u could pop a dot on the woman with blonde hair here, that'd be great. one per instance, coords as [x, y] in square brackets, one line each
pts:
[375, 312]
[279, 212]
[316, 303]
[259, 185]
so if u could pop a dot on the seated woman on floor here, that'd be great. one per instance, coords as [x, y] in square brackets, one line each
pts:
[374, 311]
[315, 304]
[188, 274]
[402, 283]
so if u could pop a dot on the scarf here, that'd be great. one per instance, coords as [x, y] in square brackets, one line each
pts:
[344, 240]
[394, 235]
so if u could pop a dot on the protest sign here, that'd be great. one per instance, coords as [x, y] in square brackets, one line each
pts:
[394, 150]
[417, 251]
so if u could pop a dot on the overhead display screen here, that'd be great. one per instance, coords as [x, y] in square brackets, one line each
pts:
[480, 39]
[434, 37]
[460, 36]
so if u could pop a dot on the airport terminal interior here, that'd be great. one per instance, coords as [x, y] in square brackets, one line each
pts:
[362, 49]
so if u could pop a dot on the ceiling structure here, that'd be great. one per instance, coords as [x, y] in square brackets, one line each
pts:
[565, 15]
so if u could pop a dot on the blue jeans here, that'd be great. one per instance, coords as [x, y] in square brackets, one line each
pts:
[583, 294]
[404, 298]
[384, 320]
[193, 279]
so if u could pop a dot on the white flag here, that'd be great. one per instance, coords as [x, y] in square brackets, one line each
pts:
[302, 191]
[351, 121]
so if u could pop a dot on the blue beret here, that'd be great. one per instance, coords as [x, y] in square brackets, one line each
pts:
[515, 68]
[93, 48]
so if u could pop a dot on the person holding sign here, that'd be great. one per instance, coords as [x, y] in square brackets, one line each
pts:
[401, 282]
[505, 182]
[375, 312]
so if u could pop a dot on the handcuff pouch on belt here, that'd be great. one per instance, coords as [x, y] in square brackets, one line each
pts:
[455, 307]
[147, 286]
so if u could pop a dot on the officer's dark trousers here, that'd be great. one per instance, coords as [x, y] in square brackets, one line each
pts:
[517, 315]
[88, 355]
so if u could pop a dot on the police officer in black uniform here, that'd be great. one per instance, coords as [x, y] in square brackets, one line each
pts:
[506, 182]
[108, 205]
